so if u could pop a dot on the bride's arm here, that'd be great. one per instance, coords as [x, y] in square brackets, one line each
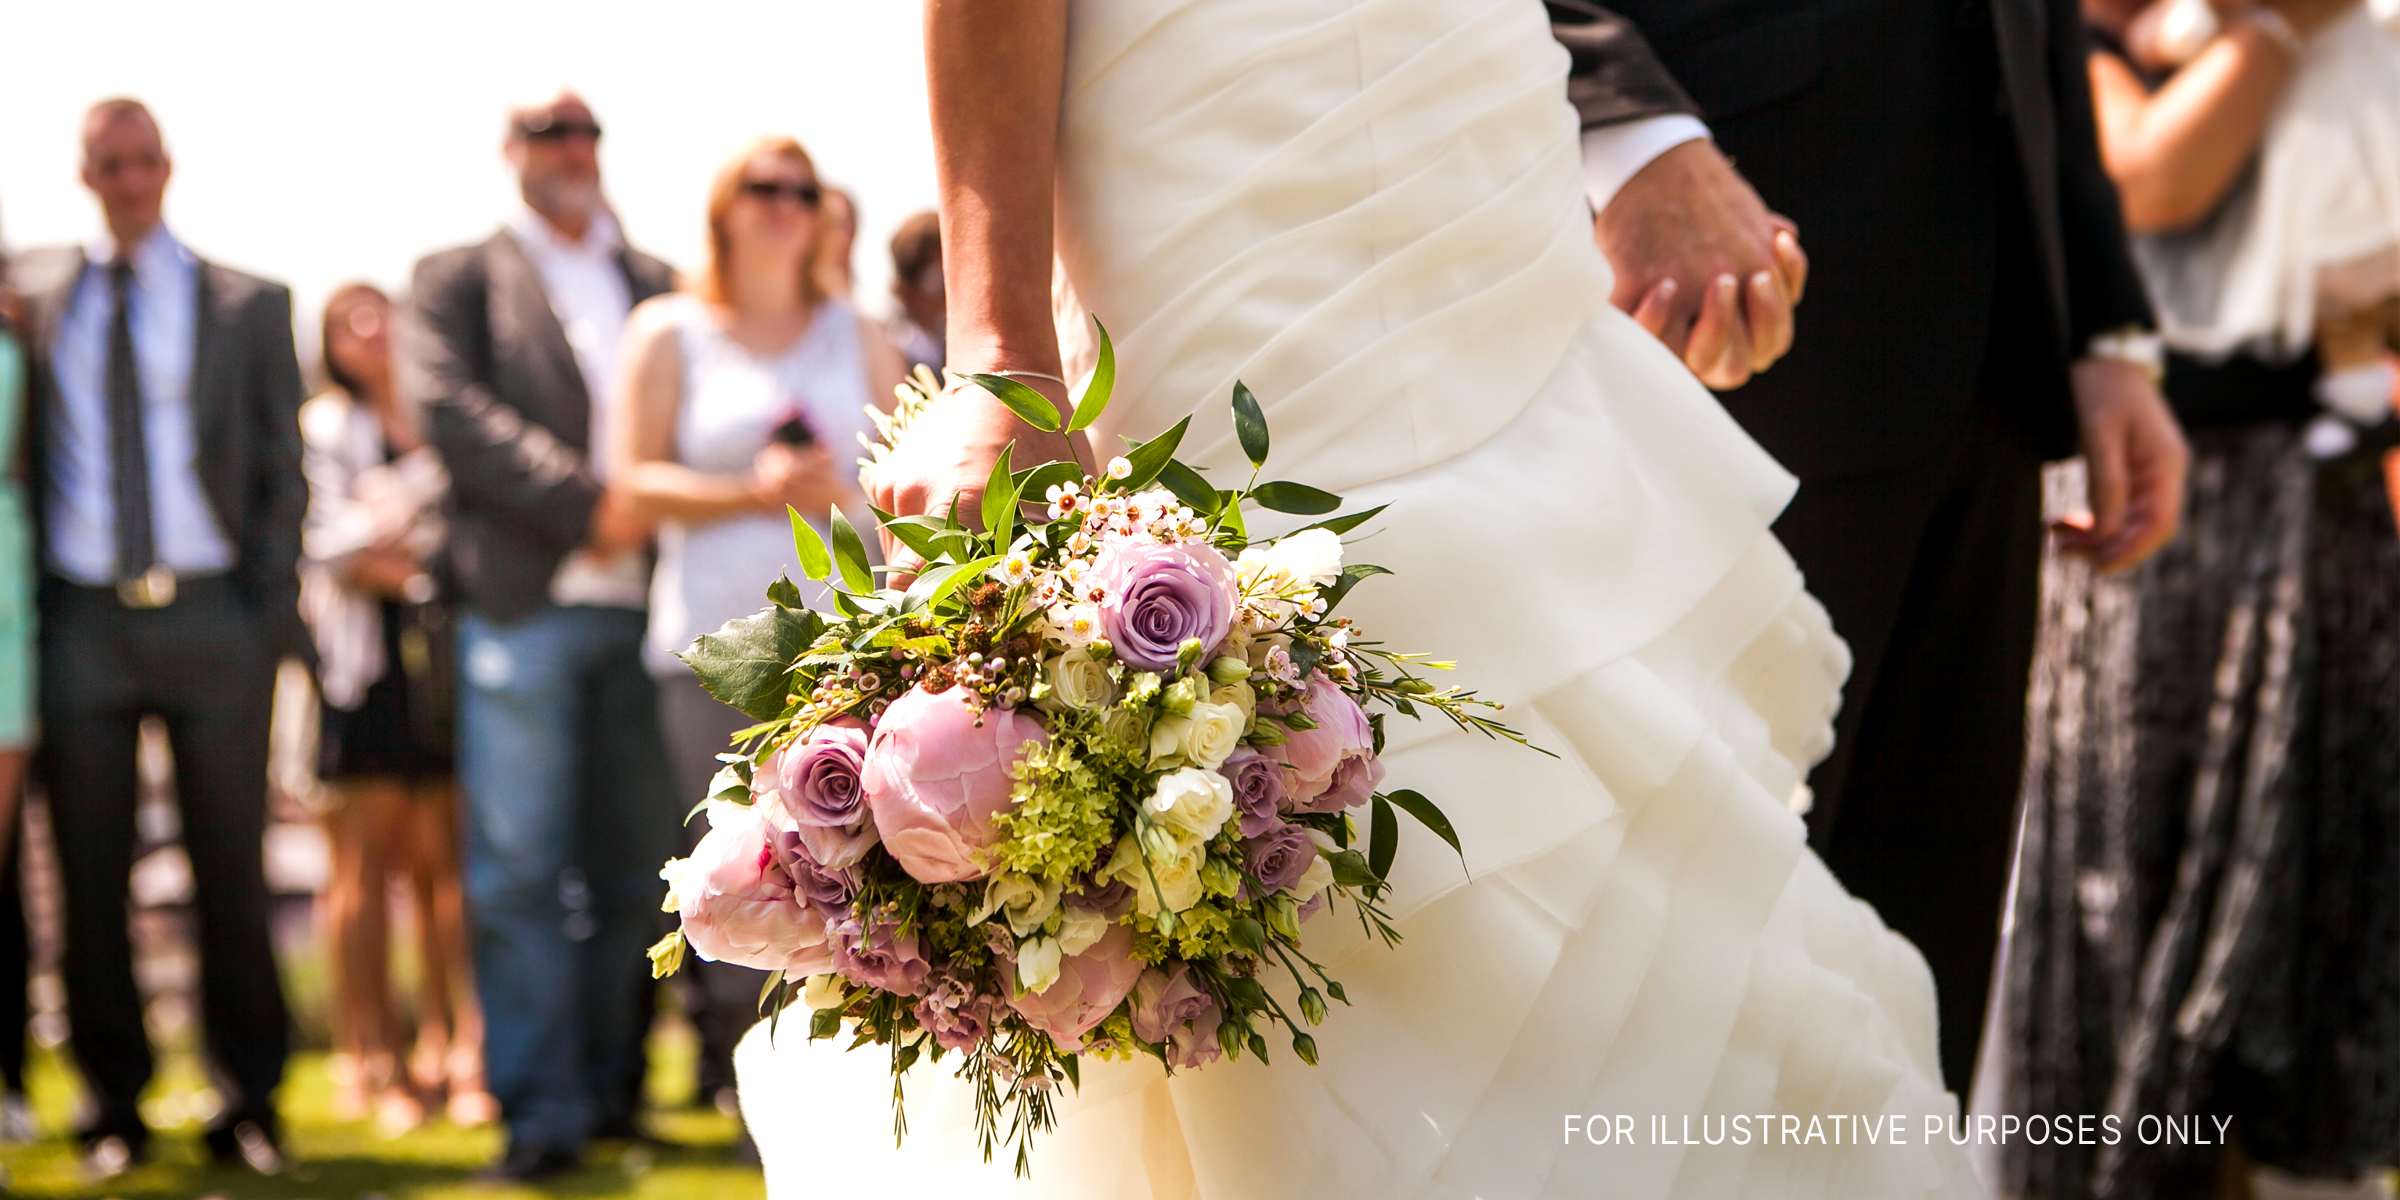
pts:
[995, 70]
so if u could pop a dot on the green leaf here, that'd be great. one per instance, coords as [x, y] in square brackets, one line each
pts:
[917, 533]
[1285, 496]
[1334, 592]
[1000, 500]
[1349, 521]
[1248, 936]
[809, 547]
[1151, 457]
[1350, 869]
[1249, 424]
[1092, 398]
[747, 663]
[730, 781]
[965, 573]
[851, 555]
[784, 592]
[1068, 1063]
[1383, 839]
[1431, 817]
[1034, 407]
[1189, 487]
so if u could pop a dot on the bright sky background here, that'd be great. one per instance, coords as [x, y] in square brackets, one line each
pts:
[322, 142]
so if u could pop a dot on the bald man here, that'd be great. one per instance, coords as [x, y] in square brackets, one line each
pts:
[166, 471]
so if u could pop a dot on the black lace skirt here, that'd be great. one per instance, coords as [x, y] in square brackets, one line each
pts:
[2207, 913]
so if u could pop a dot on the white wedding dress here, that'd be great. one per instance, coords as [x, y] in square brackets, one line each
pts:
[1371, 212]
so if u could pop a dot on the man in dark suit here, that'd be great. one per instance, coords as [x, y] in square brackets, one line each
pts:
[166, 456]
[1972, 312]
[511, 346]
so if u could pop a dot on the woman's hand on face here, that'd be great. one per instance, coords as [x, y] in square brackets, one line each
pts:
[803, 477]
[949, 452]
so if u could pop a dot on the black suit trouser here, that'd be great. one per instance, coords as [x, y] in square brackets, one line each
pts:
[204, 665]
[1931, 573]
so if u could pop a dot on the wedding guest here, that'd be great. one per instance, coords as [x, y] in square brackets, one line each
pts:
[2208, 888]
[384, 670]
[510, 346]
[18, 726]
[167, 399]
[917, 286]
[1976, 312]
[742, 395]
[840, 217]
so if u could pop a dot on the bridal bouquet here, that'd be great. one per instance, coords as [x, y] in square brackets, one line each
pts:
[1071, 791]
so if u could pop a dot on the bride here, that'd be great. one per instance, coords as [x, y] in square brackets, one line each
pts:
[1371, 212]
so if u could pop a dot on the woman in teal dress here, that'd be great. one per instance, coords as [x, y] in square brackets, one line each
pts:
[16, 712]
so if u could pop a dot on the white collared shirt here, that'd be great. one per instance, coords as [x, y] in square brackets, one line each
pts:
[80, 498]
[585, 284]
[1613, 154]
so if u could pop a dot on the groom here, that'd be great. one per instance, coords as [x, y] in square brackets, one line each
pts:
[1974, 312]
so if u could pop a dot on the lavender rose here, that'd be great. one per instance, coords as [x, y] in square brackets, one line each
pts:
[828, 890]
[881, 954]
[937, 773]
[1159, 596]
[1278, 858]
[1173, 1008]
[1258, 792]
[817, 781]
[1090, 985]
[1354, 783]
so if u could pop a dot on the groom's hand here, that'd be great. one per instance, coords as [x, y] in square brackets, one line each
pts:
[2135, 458]
[1703, 265]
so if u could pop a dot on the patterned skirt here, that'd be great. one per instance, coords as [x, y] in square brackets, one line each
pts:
[2207, 908]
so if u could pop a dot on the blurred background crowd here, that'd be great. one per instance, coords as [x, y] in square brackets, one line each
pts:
[339, 707]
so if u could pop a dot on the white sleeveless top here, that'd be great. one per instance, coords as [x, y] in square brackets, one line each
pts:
[733, 399]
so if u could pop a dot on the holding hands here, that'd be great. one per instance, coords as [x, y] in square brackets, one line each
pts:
[1703, 265]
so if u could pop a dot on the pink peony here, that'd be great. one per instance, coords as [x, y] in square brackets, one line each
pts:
[936, 775]
[737, 901]
[1159, 596]
[1172, 1007]
[1090, 986]
[1312, 757]
[1354, 783]
[816, 779]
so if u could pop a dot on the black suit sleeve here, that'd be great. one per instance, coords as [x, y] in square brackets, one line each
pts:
[502, 466]
[1616, 77]
[2104, 291]
[279, 491]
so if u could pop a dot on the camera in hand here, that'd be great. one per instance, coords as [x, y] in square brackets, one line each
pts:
[794, 432]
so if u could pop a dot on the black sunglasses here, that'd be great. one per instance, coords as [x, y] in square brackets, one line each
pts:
[806, 195]
[544, 130]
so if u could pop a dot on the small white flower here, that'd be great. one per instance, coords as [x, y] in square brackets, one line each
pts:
[1064, 498]
[1118, 468]
[1037, 964]
[1079, 543]
[1311, 556]
[1014, 569]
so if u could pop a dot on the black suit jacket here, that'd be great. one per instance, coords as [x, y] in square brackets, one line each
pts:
[1942, 163]
[245, 395]
[510, 412]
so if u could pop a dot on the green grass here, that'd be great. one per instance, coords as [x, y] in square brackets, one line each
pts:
[351, 1161]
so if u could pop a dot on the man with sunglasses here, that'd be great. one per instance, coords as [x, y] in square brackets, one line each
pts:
[511, 346]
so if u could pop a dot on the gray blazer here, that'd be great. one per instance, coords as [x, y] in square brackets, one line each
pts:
[245, 397]
[510, 412]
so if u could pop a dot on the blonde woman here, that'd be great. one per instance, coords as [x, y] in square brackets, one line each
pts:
[743, 394]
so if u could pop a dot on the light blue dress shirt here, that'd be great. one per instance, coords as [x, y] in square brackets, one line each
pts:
[81, 512]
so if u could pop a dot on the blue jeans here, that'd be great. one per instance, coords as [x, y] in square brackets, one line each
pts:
[570, 812]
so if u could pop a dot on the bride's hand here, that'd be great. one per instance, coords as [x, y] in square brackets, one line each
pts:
[948, 454]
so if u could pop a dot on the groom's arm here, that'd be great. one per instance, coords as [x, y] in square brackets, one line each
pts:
[1699, 260]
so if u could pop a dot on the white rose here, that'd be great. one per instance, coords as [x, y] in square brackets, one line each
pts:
[1192, 801]
[1316, 878]
[1313, 556]
[1081, 681]
[822, 992]
[1166, 738]
[1126, 726]
[1023, 901]
[1212, 733]
[1175, 877]
[1037, 964]
[1242, 696]
[1080, 928]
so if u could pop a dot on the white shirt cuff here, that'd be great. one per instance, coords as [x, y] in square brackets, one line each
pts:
[1613, 154]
